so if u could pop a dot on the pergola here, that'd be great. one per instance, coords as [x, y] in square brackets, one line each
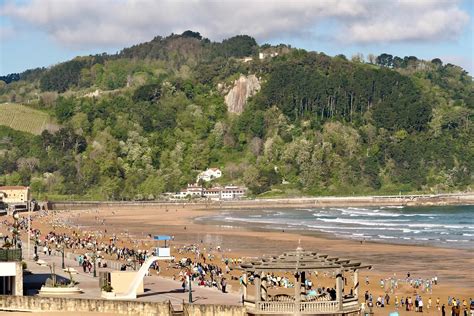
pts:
[299, 263]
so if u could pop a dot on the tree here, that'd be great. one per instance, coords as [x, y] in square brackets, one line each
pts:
[437, 62]
[385, 60]
[64, 108]
[239, 46]
[62, 76]
[398, 62]
[357, 58]
[149, 92]
[191, 34]
[371, 58]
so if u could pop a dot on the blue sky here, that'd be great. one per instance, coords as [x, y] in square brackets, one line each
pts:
[37, 33]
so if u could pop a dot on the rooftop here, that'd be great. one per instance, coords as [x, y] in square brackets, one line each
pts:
[301, 260]
[13, 187]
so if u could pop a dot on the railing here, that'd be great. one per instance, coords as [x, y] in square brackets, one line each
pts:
[286, 307]
[314, 307]
[10, 254]
[291, 307]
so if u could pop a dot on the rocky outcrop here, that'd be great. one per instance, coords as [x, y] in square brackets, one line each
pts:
[244, 88]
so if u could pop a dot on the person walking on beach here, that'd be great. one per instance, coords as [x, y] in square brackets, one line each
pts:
[420, 305]
[223, 285]
[84, 265]
[443, 310]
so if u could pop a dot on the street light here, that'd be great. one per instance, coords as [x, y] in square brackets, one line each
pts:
[190, 288]
[15, 231]
[29, 228]
[61, 248]
[36, 247]
[94, 259]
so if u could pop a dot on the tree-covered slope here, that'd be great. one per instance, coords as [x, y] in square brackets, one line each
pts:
[148, 119]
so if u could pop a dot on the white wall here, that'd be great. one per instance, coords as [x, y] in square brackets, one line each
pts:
[7, 268]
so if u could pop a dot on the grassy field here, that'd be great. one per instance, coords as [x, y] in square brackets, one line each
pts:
[23, 118]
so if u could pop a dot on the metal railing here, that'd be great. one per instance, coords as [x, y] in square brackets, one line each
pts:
[10, 254]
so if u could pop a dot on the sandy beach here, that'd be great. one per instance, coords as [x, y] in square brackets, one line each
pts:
[453, 267]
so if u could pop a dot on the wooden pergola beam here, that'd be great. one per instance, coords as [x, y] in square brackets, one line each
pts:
[299, 261]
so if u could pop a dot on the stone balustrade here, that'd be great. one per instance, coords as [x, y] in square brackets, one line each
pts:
[321, 307]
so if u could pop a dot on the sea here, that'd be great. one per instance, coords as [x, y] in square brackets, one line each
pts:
[440, 226]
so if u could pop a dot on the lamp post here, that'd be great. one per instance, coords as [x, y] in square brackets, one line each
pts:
[28, 237]
[36, 247]
[61, 248]
[94, 259]
[190, 278]
[15, 231]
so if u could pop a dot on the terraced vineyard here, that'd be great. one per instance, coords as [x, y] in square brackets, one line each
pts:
[23, 118]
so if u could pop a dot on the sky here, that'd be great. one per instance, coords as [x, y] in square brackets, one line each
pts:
[41, 33]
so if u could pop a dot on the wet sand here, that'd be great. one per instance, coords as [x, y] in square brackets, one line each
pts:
[453, 267]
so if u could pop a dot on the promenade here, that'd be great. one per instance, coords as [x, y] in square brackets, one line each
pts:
[157, 289]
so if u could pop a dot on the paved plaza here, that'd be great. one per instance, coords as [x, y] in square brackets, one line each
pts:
[157, 289]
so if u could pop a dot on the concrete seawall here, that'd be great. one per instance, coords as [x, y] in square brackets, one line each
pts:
[35, 303]
[409, 200]
[75, 305]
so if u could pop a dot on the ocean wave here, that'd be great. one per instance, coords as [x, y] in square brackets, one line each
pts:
[393, 206]
[361, 222]
[422, 225]
[422, 238]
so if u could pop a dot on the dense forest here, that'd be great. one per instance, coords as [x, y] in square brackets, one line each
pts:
[148, 119]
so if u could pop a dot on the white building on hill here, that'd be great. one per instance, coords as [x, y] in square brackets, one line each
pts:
[230, 192]
[16, 197]
[209, 175]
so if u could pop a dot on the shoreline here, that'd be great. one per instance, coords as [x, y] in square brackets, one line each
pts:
[133, 225]
[448, 264]
[324, 201]
[257, 227]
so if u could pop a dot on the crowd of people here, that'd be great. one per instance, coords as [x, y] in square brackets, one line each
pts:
[201, 269]
[208, 267]
[453, 306]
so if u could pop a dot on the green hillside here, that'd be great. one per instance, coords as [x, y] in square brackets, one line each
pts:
[23, 118]
[148, 119]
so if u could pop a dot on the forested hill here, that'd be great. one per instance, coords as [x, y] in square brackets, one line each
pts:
[280, 120]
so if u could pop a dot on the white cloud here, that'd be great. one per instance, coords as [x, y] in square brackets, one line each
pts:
[407, 22]
[82, 23]
[6, 32]
[465, 62]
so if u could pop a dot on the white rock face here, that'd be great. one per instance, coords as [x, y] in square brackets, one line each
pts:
[244, 88]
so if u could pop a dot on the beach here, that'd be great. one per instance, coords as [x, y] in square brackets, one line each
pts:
[452, 267]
